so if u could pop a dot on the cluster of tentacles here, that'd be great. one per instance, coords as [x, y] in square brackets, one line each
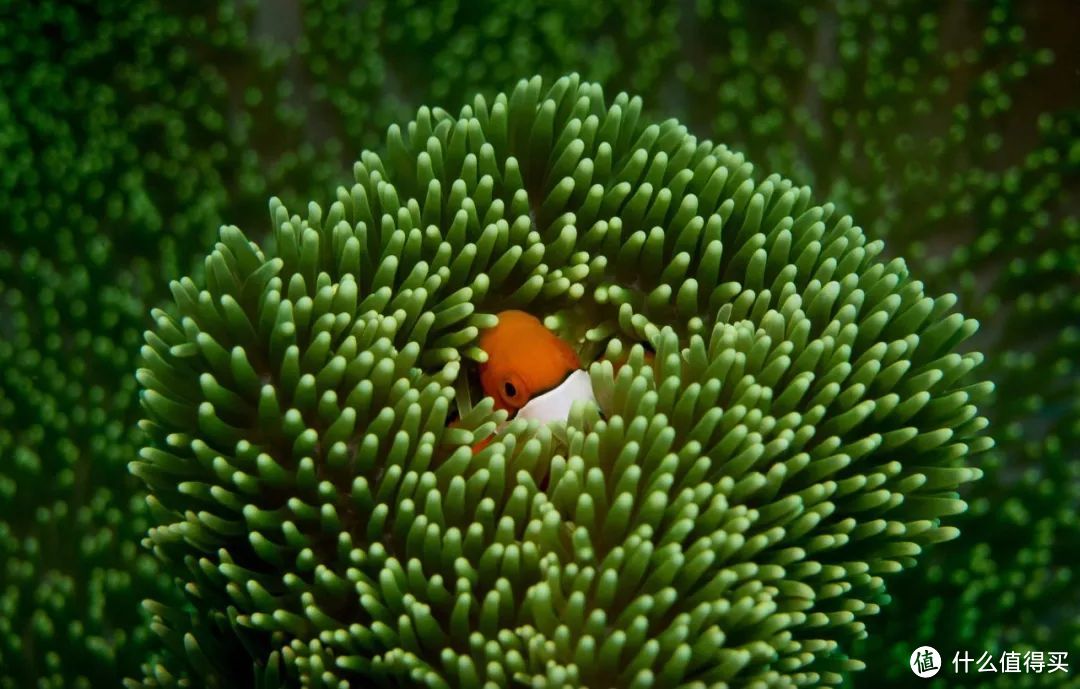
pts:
[727, 514]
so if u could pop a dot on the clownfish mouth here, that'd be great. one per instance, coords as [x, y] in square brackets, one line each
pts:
[555, 404]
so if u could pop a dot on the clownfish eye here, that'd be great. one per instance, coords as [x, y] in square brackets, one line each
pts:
[511, 390]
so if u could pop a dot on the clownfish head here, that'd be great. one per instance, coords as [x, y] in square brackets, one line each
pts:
[530, 372]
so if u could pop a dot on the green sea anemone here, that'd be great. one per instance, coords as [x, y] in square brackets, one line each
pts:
[727, 515]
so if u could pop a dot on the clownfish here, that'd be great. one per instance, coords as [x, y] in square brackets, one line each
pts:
[530, 372]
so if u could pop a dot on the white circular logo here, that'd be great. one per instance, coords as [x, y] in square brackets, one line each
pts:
[925, 661]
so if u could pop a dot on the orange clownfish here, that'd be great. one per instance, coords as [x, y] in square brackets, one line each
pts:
[530, 372]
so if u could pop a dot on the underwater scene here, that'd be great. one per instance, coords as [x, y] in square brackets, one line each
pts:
[706, 344]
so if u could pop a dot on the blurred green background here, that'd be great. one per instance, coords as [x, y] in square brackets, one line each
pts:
[130, 130]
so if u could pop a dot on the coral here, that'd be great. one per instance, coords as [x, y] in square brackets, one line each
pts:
[728, 514]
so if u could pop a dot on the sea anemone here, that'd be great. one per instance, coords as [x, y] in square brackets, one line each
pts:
[727, 514]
